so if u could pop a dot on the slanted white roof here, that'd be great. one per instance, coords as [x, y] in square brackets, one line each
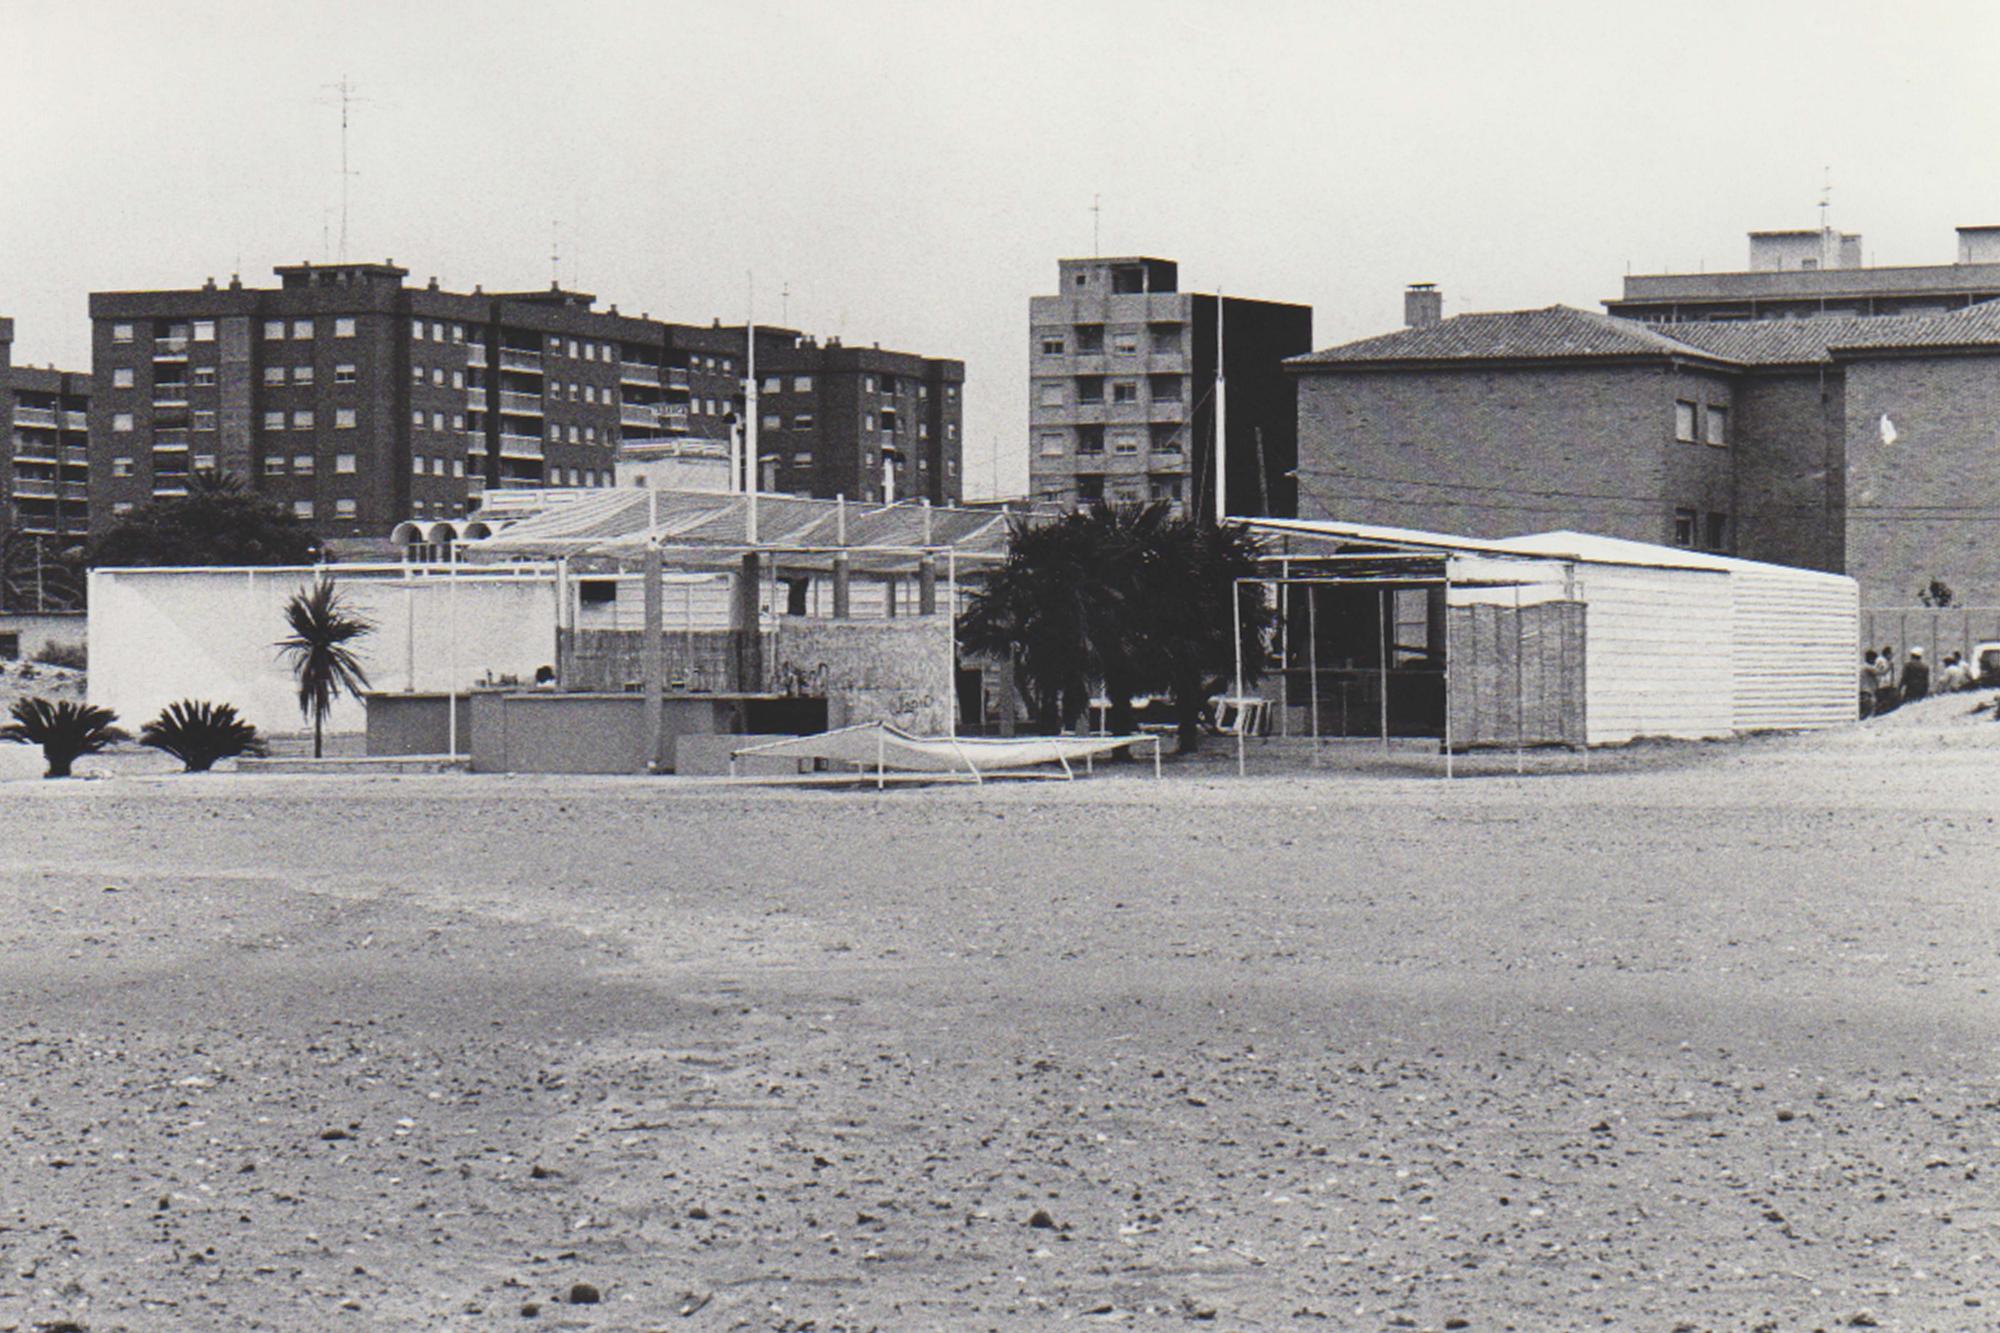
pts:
[1563, 544]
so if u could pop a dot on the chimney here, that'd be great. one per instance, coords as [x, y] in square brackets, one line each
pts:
[1423, 305]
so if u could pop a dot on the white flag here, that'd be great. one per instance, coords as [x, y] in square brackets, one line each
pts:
[1888, 430]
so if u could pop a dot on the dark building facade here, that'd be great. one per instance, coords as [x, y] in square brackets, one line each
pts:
[45, 474]
[357, 401]
[1859, 445]
[1121, 398]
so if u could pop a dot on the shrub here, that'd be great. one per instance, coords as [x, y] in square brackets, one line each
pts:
[72, 655]
[66, 730]
[199, 733]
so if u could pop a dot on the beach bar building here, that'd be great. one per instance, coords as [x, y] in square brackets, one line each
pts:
[1556, 638]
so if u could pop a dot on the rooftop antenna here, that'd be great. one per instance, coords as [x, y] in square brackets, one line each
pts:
[785, 304]
[555, 254]
[345, 92]
[1096, 218]
[1825, 197]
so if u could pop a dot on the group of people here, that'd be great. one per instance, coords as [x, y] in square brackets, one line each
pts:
[1883, 688]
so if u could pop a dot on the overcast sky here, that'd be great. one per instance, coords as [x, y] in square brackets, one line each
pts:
[913, 171]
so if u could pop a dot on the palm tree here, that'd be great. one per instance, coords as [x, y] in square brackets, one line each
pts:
[66, 730]
[323, 625]
[199, 733]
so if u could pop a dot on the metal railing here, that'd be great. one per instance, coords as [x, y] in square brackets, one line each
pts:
[34, 416]
[513, 358]
[520, 446]
[525, 404]
[475, 355]
[638, 372]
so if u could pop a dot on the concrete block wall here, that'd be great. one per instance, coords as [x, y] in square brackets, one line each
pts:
[899, 671]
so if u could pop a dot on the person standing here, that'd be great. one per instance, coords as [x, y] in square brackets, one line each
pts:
[1916, 676]
[1868, 683]
[1885, 680]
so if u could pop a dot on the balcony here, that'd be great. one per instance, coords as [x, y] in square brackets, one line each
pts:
[520, 446]
[25, 489]
[638, 372]
[34, 416]
[475, 355]
[677, 379]
[475, 400]
[522, 404]
[1167, 409]
[76, 421]
[170, 349]
[170, 395]
[29, 449]
[640, 414]
[513, 358]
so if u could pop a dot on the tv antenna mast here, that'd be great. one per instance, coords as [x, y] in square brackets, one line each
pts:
[346, 99]
[555, 254]
[1096, 218]
[1825, 197]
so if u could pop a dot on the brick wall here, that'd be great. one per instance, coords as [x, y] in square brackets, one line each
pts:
[1788, 446]
[1492, 452]
[1924, 506]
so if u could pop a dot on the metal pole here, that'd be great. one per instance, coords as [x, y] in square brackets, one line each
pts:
[1444, 656]
[451, 685]
[1236, 631]
[1285, 649]
[1520, 692]
[409, 637]
[1312, 658]
[1382, 667]
[1221, 423]
[651, 665]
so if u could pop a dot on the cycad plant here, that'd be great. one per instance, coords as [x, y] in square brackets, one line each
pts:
[199, 733]
[323, 628]
[65, 729]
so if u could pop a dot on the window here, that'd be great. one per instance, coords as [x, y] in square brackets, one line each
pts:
[1165, 388]
[416, 374]
[774, 421]
[458, 333]
[572, 346]
[1124, 391]
[574, 390]
[868, 384]
[555, 433]
[204, 377]
[1090, 490]
[1684, 521]
[417, 464]
[302, 464]
[458, 379]
[802, 421]
[417, 416]
[343, 374]
[437, 466]
[437, 421]
[343, 326]
[1125, 442]
[203, 462]
[868, 420]
[923, 430]
[343, 462]
[590, 393]
[802, 384]
[302, 419]
[1090, 440]
[204, 330]
[122, 507]
[302, 509]
[121, 467]
[590, 435]
[343, 507]
[437, 376]
[1052, 344]
[1052, 395]
[437, 332]
[1684, 422]
[274, 421]
[458, 467]
[302, 374]
[274, 465]
[343, 418]
[1125, 342]
[204, 419]
[274, 330]
[274, 374]
[121, 378]
[1718, 425]
[1716, 534]
[458, 421]
[302, 328]
[1052, 444]
[1090, 389]
[574, 434]
[417, 330]
[1166, 488]
[121, 333]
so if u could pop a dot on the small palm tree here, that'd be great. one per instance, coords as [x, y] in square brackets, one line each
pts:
[323, 627]
[200, 733]
[66, 730]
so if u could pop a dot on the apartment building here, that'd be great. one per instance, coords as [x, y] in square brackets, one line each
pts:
[46, 467]
[357, 401]
[1121, 399]
[1816, 272]
[860, 421]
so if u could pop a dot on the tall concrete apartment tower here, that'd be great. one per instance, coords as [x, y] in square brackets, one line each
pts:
[44, 472]
[1121, 400]
[356, 401]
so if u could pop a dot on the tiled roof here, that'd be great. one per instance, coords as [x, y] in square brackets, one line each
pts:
[1561, 333]
[1510, 335]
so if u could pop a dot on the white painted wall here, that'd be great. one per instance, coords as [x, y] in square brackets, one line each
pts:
[1658, 654]
[161, 635]
[1797, 647]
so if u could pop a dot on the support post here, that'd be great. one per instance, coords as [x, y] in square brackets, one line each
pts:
[1441, 647]
[1520, 691]
[1312, 659]
[1382, 667]
[1236, 633]
[927, 585]
[843, 572]
[652, 670]
[748, 624]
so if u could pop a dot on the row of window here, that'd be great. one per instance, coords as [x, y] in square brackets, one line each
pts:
[1054, 444]
[1710, 530]
[1091, 389]
[1092, 490]
[1090, 340]
[1712, 423]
